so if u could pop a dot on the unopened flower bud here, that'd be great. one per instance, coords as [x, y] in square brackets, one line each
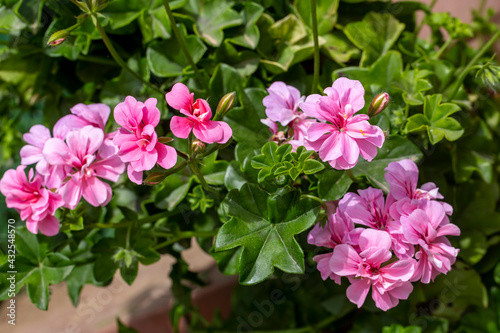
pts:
[198, 146]
[378, 104]
[57, 38]
[225, 105]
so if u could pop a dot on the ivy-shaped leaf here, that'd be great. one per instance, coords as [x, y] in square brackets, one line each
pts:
[412, 84]
[35, 268]
[249, 35]
[214, 17]
[436, 120]
[375, 35]
[166, 59]
[265, 225]
[333, 184]
[271, 160]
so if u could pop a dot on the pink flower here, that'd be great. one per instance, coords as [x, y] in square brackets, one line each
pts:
[389, 283]
[198, 117]
[339, 229]
[32, 153]
[137, 139]
[344, 136]
[427, 227]
[35, 203]
[282, 103]
[82, 115]
[80, 152]
[370, 209]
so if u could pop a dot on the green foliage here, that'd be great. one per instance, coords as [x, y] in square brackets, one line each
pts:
[257, 199]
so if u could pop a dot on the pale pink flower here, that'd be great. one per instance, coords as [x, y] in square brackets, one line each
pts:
[35, 203]
[137, 140]
[427, 227]
[370, 209]
[343, 136]
[82, 115]
[282, 103]
[80, 152]
[389, 283]
[198, 117]
[31, 153]
[339, 229]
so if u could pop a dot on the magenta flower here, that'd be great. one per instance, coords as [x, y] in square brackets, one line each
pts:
[81, 153]
[282, 103]
[343, 136]
[198, 117]
[427, 227]
[137, 140]
[389, 283]
[35, 203]
[339, 229]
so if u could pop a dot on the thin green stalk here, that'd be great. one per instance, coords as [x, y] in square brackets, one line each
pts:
[443, 48]
[117, 57]
[315, 82]
[194, 168]
[312, 197]
[465, 71]
[182, 45]
[216, 147]
[185, 234]
[421, 24]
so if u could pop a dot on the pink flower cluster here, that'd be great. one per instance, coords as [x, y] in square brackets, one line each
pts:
[326, 124]
[385, 244]
[69, 165]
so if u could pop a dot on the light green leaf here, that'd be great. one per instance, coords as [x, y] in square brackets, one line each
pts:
[375, 35]
[248, 36]
[214, 17]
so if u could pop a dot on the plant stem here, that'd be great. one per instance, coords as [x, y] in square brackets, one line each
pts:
[185, 234]
[315, 82]
[216, 147]
[421, 24]
[312, 197]
[117, 57]
[354, 178]
[443, 48]
[465, 71]
[182, 44]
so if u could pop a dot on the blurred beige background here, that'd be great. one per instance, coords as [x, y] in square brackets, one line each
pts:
[149, 295]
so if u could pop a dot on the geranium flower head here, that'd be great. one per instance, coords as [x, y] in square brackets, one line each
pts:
[341, 136]
[35, 203]
[198, 115]
[79, 151]
[137, 140]
[282, 103]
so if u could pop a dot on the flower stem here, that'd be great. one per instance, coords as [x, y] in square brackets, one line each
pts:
[443, 48]
[185, 234]
[312, 197]
[182, 45]
[216, 147]
[315, 82]
[461, 77]
[117, 57]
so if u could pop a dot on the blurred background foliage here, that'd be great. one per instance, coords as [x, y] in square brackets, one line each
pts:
[244, 46]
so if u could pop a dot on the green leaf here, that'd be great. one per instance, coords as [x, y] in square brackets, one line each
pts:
[375, 35]
[173, 191]
[166, 59]
[394, 328]
[395, 149]
[248, 36]
[377, 78]
[436, 120]
[154, 23]
[214, 17]
[270, 159]
[475, 153]
[245, 120]
[312, 166]
[473, 246]
[326, 12]
[264, 226]
[333, 184]
[198, 199]
[80, 276]
[412, 84]
[338, 47]
[35, 269]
